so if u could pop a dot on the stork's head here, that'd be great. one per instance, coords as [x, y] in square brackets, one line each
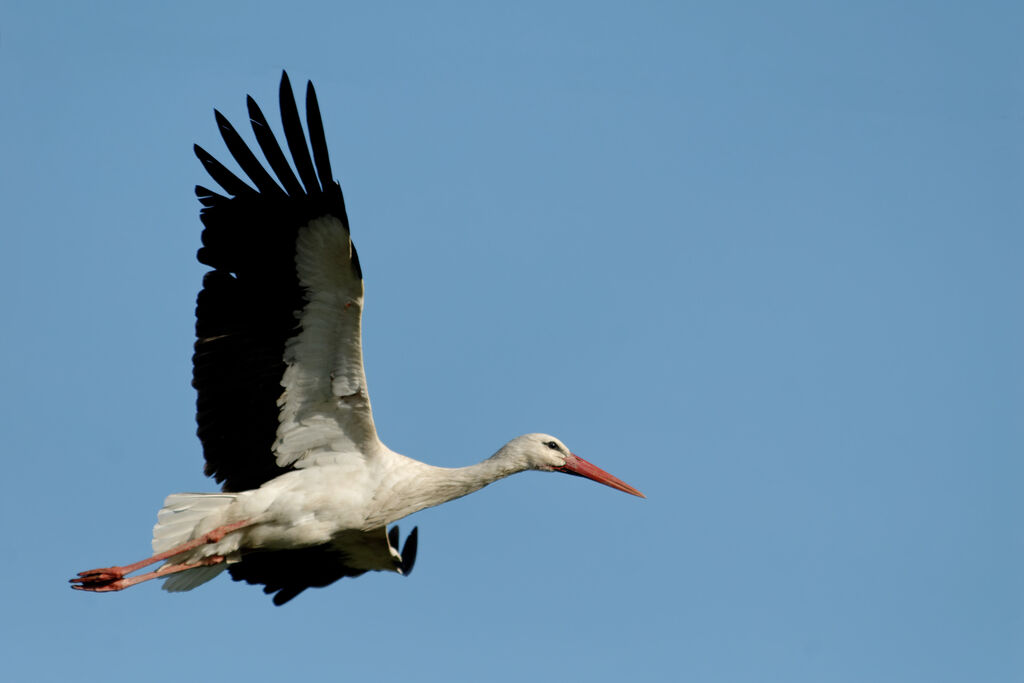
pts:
[546, 453]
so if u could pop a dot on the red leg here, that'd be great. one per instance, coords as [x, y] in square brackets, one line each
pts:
[96, 579]
[107, 585]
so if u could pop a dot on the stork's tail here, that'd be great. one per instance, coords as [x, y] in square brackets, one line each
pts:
[178, 522]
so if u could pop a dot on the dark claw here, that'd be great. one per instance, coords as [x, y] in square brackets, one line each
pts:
[94, 575]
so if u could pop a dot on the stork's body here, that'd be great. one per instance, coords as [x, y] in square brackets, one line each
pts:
[283, 409]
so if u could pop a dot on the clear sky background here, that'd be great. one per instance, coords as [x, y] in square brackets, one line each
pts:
[760, 260]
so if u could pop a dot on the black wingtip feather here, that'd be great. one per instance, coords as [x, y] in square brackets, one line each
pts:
[295, 137]
[409, 551]
[317, 138]
[358, 269]
[286, 594]
[231, 183]
[245, 158]
[271, 149]
[208, 197]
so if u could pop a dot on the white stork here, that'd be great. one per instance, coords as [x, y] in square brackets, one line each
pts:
[283, 410]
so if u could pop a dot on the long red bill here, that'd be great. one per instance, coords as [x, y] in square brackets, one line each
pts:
[574, 464]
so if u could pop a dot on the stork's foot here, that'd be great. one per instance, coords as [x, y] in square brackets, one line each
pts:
[108, 573]
[100, 580]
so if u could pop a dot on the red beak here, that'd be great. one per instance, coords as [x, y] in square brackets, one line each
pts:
[574, 464]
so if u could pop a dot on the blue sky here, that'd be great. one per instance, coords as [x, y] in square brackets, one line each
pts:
[759, 260]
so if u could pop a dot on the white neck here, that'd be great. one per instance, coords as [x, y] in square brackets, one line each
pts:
[415, 485]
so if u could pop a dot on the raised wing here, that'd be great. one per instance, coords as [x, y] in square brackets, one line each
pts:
[278, 361]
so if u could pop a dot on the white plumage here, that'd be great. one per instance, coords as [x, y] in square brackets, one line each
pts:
[283, 409]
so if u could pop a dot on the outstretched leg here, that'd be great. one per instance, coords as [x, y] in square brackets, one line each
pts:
[113, 578]
[105, 585]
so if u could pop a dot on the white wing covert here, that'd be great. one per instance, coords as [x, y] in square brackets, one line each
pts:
[325, 405]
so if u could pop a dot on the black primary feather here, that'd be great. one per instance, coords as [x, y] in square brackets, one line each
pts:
[272, 150]
[296, 138]
[245, 158]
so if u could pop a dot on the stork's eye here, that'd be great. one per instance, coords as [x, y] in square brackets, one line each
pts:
[552, 445]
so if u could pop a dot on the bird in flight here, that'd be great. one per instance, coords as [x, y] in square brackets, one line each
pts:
[283, 412]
